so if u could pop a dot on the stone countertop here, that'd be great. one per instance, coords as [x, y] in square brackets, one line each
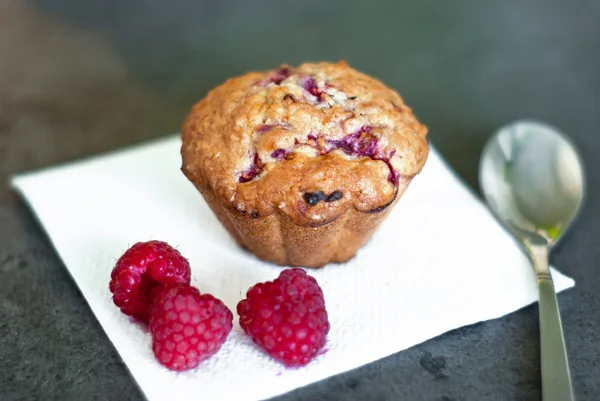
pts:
[81, 78]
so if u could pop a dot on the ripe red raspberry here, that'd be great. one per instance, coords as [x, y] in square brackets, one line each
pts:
[286, 317]
[141, 268]
[187, 328]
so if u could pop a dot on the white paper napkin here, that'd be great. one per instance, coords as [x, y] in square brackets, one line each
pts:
[440, 261]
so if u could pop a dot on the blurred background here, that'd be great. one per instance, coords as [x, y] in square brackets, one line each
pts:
[123, 71]
[79, 78]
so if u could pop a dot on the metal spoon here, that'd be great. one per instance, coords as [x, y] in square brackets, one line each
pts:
[532, 178]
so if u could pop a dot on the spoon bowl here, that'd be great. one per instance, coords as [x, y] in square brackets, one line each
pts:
[532, 178]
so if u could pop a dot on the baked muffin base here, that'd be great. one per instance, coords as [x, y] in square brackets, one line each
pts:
[276, 239]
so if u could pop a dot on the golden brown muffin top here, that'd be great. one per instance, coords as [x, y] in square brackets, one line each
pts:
[310, 141]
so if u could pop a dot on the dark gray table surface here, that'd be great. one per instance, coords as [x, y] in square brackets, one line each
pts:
[78, 78]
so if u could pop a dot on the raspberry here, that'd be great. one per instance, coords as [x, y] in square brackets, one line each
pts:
[253, 171]
[187, 328]
[279, 154]
[311, 86]
[141, 268]
[280, 75]
[286, 317]
[363, 143]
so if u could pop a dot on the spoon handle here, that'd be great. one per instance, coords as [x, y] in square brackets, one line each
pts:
[556, 378]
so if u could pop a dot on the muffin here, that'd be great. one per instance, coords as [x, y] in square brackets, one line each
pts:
[301, 165]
